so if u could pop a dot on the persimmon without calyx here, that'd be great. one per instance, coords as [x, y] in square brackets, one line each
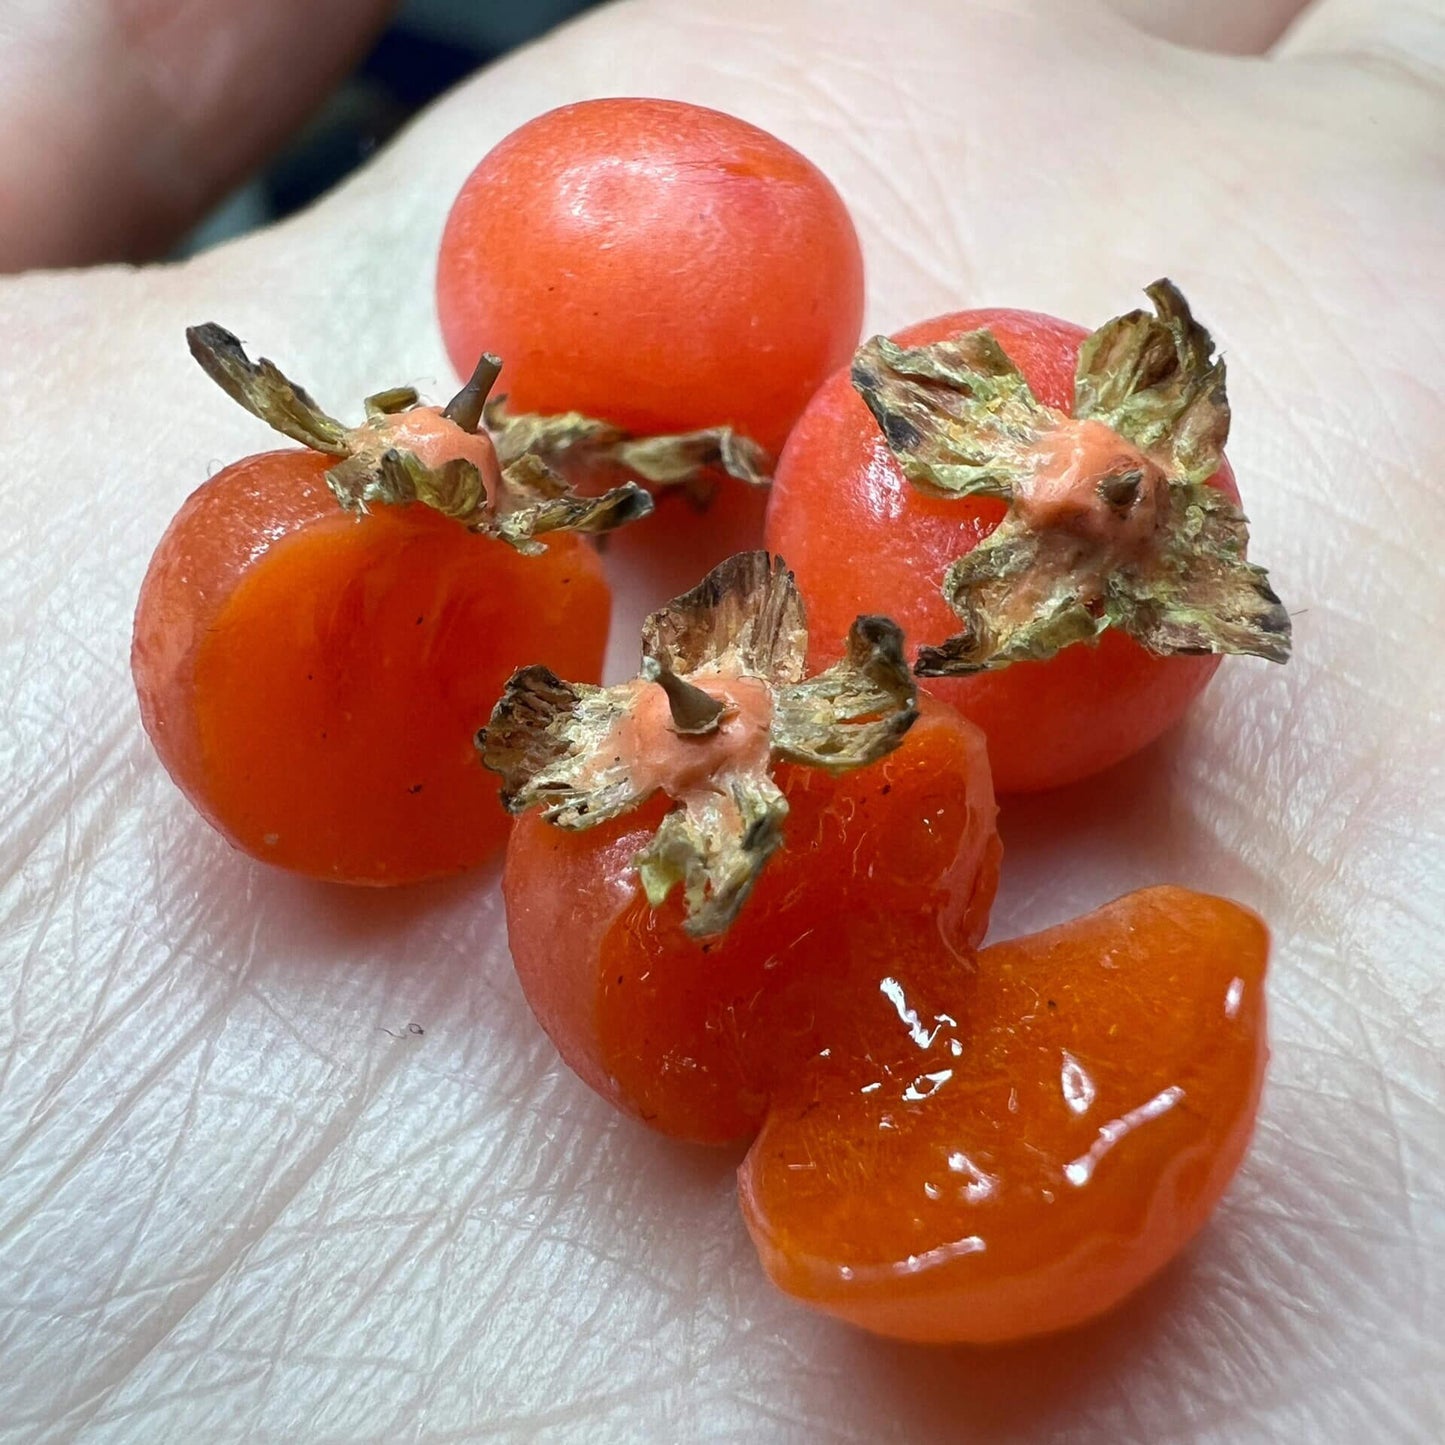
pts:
[1023, 488]
[319, 629]
[655, 265]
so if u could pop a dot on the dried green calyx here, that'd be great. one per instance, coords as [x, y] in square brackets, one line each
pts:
[1111, 522]
[687, 459]
[376, 463]
[722, 695]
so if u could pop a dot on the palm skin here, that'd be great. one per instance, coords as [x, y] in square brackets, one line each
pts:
[284, 1162]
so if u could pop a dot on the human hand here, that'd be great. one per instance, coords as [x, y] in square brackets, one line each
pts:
[123, 120]
[286, 1162]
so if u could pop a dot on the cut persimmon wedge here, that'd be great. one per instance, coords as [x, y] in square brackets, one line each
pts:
[1003, 1150]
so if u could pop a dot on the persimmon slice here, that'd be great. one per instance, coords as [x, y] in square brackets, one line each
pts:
[1007, 1149]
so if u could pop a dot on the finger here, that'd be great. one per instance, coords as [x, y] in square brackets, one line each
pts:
[121, 122]
[1239, 27]
[1409, 34]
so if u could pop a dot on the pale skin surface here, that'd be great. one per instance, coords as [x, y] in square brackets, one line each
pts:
[281, 1162]
[125, 119]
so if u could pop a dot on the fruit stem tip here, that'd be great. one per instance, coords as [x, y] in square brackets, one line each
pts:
[465, 408]
[694, 712]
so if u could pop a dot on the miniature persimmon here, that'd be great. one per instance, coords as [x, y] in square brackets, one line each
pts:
[1049, 515]
[625, 888]
[653, 267]
[319, 629]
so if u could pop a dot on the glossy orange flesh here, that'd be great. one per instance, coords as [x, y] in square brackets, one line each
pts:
[857, 533]
[656, 264]
[313, 681]
[988, 1151]
[689, 1035]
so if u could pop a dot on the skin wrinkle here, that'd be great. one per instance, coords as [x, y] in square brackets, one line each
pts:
[97, 1027]
[199, 1030]
[116, 739]
[78, 1413]
[1340, 1258]
[551, 1204]
[1410, 1221]
[50, 1105]
[945, 190]
[941, 266]
[151, 1204]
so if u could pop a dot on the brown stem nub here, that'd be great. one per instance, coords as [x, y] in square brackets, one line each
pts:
[465, 408]
[694, 711]
[1120, 490]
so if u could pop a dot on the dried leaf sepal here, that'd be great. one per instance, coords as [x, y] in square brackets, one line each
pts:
[1132, 538]
[685, 459]
[572, 749]
[527, 502]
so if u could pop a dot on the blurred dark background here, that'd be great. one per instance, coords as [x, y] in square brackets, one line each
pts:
[428, 46]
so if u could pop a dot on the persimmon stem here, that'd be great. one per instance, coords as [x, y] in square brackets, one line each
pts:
[694, 712]
[465, 408]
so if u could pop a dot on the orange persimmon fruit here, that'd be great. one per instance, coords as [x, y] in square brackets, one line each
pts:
[1154, 580]
[682, 1032]
[657, 265]
[699, 830]
[320, 629]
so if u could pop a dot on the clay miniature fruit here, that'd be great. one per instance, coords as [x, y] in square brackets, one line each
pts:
[658, 803]
[1011, 488]
[319, 629]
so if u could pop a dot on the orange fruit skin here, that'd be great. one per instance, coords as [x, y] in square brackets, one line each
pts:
[686, 1034]
[858, 534]
[313, 681]
[1007, 1150]
[656, 264]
